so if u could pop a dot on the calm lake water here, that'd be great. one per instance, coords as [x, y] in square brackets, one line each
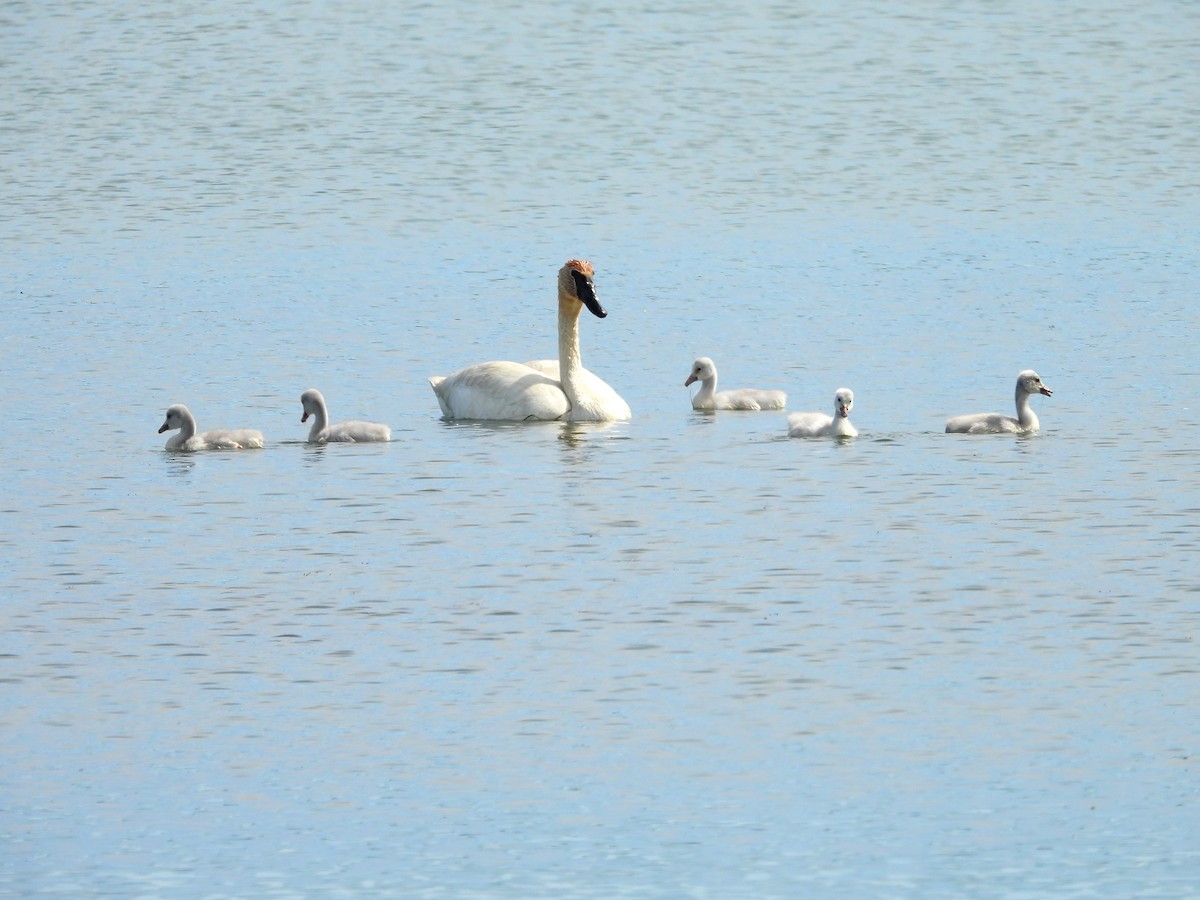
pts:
[683, 656]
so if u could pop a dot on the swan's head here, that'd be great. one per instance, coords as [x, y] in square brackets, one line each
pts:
[176, 415]
[1031, 383]
[312, 401]
[575, 279]
[702, 370]
[843, 402]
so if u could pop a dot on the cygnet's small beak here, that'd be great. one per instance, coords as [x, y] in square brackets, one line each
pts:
[843, 411]
[1045, 390]
[690, 380]
[304, 418]
[164, 428]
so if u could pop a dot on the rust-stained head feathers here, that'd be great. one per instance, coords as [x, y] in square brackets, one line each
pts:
[575, 280]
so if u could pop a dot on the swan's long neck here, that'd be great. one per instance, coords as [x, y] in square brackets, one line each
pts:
[1025, 414]
[569, 363]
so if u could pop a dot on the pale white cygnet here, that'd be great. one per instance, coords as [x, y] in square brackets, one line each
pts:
[704, 370]
[1026, 422]
[179, 416]
[817, 424]
[349, 432]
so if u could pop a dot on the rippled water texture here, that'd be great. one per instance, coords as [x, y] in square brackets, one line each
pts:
[683, 656]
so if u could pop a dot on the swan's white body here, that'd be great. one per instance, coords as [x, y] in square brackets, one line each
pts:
[351, 432]
[817, 424]
[179, 416]
[543, 389]
[1026, 422]
[704, 370]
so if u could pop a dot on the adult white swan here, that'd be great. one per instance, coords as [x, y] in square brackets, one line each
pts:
[1028, 383]
[353, 431]
[544, 389]
[817, 424]
[179, 416]
[704, 370]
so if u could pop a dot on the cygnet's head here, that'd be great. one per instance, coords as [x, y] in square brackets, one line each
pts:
[176, 414]
[1031, 383]
[843, 402]
[312, 401]
[702, 370]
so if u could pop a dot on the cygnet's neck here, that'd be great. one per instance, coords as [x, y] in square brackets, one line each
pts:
[842, 426]
[1026, 417]
[708, 390]
[320, 421]
[187, 426]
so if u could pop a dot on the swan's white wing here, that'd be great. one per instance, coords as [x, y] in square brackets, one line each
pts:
[548, 367]
[500, 390]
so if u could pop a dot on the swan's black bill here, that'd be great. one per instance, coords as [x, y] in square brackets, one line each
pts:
[587, 293]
